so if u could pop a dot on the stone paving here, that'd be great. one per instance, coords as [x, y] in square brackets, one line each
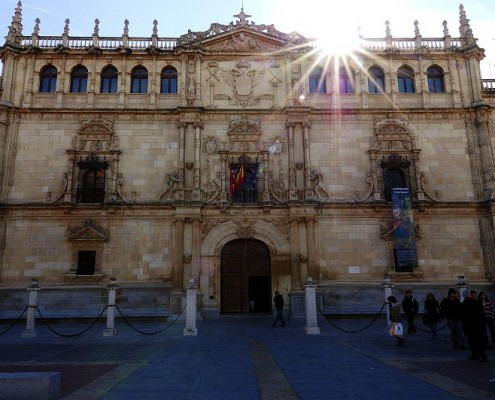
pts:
[245, 358]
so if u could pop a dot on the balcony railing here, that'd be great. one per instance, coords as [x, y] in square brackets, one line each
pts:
[488, 85]
[143, 43]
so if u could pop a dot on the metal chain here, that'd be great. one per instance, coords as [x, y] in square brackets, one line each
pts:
[358, 330]
[148, 333]
[14, 323]
[69, 335]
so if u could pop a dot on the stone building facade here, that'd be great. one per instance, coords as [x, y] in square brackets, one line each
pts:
[242, 158]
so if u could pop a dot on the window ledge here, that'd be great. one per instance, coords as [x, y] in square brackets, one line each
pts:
[96, 277]
[414, 275]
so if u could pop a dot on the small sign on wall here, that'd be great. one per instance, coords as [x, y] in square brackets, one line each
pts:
[354, 270]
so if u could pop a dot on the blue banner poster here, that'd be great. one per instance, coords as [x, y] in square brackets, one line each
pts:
[404, 235]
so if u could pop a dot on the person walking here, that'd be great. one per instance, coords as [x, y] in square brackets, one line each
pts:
[452, 311]
[432, 314]
[488, 318]
[396, 329]
[472, 320]
[278, 300]
[411, 307]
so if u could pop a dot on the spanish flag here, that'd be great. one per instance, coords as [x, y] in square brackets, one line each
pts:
[236, 178]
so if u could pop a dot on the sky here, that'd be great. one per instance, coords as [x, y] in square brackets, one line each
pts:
[328, 19]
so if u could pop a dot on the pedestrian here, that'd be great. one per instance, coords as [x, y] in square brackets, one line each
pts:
[396, 329]
[432, 314]
[410, 306]
[278, 300]
[452, 311]
[472, 321]
[488, 318]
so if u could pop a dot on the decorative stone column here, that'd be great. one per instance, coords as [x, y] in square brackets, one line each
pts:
[191, 307]
[265, 197]
[311, 312]
[4, 124]
[309, 194]
[313, 268]
[179, 193]
[291, 163]
[198, 126]
[196, 249]
[112, 292]
[294, 250]
[487, 162]
[33, 289]
[178, 248]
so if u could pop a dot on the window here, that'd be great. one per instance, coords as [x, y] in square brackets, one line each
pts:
[79, 80]
[345, 82]
[317, 81]
[169, 80]
[405, 80]
[86, 262]
[243, 181]
[139, 80]
[393, 178]
[48, 79]
[109, 80]
[435, 80]
[91, 188]
[376, 80]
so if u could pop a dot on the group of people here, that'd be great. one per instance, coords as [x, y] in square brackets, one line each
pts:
[472, 319]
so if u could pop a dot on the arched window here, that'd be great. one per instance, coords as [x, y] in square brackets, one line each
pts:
[405, 80]
[376, 80]
[317, 81]
[435, 80]
[48, 79]
[345, 81]
[109, 80]
[139, 80]
[79, 80]
[393, 178]
[169, 80]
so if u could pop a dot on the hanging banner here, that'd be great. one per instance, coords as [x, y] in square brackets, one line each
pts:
[404, 235]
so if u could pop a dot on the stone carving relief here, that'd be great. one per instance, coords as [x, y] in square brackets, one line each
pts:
[215, 29]
[245, 228]
[171, 186]
[243, 41]
[89, 232]
[319, 190]
[95, 140]
[244, 129]
[243, 79]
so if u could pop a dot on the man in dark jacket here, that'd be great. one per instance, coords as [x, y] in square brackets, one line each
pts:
[410, 306]
[452, 311]
[278, 300]
[472, 320]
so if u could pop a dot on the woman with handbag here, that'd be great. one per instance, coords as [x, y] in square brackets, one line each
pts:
[432, 314]
[396, 328]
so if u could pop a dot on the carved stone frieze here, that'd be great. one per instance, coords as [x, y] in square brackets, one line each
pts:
[243, 79]
[89, 232]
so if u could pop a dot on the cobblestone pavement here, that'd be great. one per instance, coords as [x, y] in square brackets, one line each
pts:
[245, 358]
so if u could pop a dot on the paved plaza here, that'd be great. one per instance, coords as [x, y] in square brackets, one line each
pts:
[243, 357]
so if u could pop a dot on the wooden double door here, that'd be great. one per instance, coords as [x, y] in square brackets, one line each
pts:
[245, 277]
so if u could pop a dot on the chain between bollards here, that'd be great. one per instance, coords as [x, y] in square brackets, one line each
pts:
[15, 322]
[375, 318]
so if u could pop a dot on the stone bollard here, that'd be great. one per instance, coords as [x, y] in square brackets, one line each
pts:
[30, 330]
[191, 299]
[462, 287]
[311, 316]
[387, 290]
[112, 292]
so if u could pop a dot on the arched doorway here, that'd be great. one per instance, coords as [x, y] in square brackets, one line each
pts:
[245, 277]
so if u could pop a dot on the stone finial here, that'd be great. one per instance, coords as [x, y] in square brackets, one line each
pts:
[447, 42]
[416, 29]
[96, 30]
[126, 27]
[242, 17]
[445, 29]
[155, 27]
[36, 29]
[67, 27]
[15, 28]
[464, 27]
[388, 34]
